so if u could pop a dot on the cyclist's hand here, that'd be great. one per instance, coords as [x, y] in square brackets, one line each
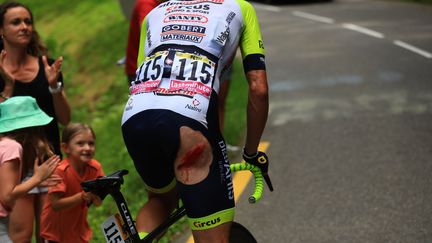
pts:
[260, 160]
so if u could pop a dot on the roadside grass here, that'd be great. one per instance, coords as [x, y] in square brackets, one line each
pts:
[91, 35]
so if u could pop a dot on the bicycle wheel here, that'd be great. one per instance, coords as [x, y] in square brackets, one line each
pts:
[239, 234]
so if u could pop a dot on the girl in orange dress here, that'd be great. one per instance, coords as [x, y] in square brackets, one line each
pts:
[64, 216]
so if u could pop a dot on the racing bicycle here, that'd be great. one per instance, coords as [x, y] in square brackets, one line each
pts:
[120, 227]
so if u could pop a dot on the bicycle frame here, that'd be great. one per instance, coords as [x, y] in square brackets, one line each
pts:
[111, 184]
[126, 217]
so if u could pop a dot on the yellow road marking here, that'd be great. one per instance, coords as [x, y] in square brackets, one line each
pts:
[240, 181]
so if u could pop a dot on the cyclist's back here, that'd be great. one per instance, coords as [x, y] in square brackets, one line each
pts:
[170, 122]
[194, 42]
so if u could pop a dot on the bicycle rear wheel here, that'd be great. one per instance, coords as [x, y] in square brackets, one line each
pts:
[239, 234]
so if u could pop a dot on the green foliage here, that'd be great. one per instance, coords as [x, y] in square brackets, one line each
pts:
[235, 107]
[91, 36]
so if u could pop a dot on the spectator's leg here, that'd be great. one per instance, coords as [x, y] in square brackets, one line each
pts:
[21, 219]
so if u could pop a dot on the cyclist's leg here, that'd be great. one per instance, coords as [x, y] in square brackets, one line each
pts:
[193, 165]
[219, 233]
[193, 158]
[152, 142]
[156, 210]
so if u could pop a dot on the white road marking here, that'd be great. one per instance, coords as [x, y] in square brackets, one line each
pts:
[272, 9]
[412, 48]
[267, 7]
[363, 30]
[313, 17]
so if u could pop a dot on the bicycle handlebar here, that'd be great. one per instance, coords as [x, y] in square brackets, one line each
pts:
[259, 185]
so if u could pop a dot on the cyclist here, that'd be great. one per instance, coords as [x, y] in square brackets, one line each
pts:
[170, 122]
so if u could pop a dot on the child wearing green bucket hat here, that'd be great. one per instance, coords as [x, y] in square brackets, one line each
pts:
[23, 147]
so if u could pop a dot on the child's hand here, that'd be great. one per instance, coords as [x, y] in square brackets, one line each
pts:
[86, 197]
[51, 181]
[45, 170]
[96, 201]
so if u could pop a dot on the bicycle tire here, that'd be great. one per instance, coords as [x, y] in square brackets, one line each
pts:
[239, 234]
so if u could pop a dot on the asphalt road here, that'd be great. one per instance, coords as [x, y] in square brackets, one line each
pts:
[350, 127]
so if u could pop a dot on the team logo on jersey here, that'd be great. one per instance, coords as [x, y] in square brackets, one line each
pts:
[191, 18]
[194, 106]
[144, 87]
[191, 86]
[149, 42]
[225, 170]
[167, 92]
[183, 37]
[223, 36]
[191, 33]
[201, 8]
[166, 4]
[230, 17]
[129, 105]
[196, 102]
[209, 223]
[204, 1]
[261, 44]
[184, 28]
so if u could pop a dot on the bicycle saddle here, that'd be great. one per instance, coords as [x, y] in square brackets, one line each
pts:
[102, 186]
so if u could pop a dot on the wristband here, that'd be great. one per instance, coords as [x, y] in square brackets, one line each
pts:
[57, 89]
[247, 155]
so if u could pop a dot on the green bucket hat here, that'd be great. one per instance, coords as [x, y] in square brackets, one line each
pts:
[21, 112]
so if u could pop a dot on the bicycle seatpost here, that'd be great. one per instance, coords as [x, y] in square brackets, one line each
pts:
[111, 184]
[125, 214]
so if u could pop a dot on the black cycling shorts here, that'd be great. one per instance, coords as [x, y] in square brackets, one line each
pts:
[152, 138]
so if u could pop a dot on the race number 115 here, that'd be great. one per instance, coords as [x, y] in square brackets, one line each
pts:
[111, 230]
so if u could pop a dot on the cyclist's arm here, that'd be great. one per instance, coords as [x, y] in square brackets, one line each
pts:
[257, 109]
[252, 49]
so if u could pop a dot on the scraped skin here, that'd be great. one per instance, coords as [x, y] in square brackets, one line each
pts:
[193, 158]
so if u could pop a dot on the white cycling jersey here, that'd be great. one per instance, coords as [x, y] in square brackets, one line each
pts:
[185, 47]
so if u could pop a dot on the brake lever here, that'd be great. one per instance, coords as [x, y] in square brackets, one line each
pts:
[268, 181]
[263, 164]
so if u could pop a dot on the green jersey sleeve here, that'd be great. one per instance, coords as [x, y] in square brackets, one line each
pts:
[251, 41]
[143, 36]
